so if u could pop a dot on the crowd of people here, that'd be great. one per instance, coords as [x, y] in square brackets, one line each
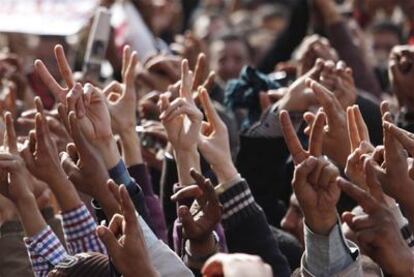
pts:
[230, 138]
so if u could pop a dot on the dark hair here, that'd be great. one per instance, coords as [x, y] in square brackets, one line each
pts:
[232, 36]
[389, 27]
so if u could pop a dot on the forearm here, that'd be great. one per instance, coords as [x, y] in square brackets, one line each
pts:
[79, 228]
[109, 151]
[341, 39]
[329, 12]
[30, 216]
[327, 254]
[131, 148]
[185, 161]
[65, 192]
[246, 227]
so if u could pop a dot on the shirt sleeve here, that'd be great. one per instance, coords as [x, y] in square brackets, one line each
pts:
[269, 127]
[79, 228]
[120, 175]
[141, 175]
[327, 255]
[245, 225]
[45, 251]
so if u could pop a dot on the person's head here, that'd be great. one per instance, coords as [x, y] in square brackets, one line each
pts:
[292, 222]
[228, 54]
[385, 35]
[83, 264]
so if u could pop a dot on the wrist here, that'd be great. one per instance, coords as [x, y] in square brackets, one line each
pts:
[203, 246]
[131, 147]
[109, 151]
[186, 159]
[407, 269]
[321, 225]
[225, 172]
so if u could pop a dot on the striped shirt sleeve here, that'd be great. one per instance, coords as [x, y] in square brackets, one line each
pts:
[45, 251]
[79, 229]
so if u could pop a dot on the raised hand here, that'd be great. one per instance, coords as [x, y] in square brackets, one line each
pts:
[292, 140]
[181, 118]
[41, 156]
[336, 145]
[314, 181]
[360, 145]
[377, 232]
[299, 97]
[232, 265]
[124, 239]
[42, 160]
[396, 180]
[85, 168]
[199, 221]
[65, 71]
[401, 71]
[122, 98]
[214, 141]
[40, 190]
[338, 79]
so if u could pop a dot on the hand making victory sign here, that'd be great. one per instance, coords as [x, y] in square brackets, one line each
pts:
[314, 181]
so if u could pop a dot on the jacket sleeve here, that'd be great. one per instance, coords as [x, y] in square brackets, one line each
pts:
[141, 175]
[246, 227]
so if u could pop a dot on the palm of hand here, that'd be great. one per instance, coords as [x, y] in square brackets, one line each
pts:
[96, 122]
[205, 219]
[316, 198]
[181, 131]
[123, 112]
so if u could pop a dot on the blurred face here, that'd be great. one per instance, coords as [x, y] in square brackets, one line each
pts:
[228, 58]
[292, 222]
[383, 42]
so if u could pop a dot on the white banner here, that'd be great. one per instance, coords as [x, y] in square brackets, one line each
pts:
[45, 17]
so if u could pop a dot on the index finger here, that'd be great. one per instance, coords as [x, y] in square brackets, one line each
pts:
[325, 98]
[404, 137]
[63, 65]
[368, 204]
[316, 135]
[372, 181]
[10, 135]
[199, 70]
[128, 209]
[291, 139]
[48, 80]
[211, 113]
[186, 81]
[360, 124]
[352, 129]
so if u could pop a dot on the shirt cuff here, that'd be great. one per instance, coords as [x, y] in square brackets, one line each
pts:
[77, 223]
[120, 174]
[221, 188]
[396, 212]
[47, 245]
[327, 255]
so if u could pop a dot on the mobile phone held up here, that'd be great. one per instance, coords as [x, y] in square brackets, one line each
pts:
[97, 44]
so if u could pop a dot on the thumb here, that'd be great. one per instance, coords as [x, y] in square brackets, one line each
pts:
[69, 166]
[109, 240]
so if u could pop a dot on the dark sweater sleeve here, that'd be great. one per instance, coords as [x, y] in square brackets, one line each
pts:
[284, 45]
[142, 177]
[341, 39]
[247, 230]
